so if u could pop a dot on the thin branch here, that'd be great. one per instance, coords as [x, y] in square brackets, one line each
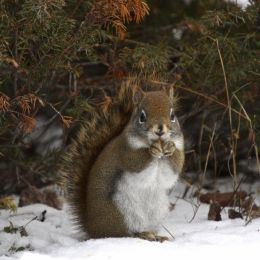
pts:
[233, 151]
[252, 130]
[209, 149]
[167, 230]
[15, 57]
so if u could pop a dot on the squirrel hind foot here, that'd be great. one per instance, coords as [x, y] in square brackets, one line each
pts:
[151, 236]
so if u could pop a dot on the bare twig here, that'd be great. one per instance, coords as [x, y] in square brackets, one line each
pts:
[58, 112]
[254, 146]
[209, 149]
[49, 122]
[167, 230]
[233, 151]
[194, 206]
[34, 218]
[15, 57]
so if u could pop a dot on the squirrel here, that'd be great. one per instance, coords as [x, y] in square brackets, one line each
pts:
[122, 166]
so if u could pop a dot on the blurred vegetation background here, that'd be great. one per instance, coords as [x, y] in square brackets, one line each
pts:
[59, 57]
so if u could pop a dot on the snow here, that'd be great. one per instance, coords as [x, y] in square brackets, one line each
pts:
[55, 238]
[242, 3]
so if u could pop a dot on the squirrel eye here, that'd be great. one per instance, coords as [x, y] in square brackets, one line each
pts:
[172, 116]
[142, 117]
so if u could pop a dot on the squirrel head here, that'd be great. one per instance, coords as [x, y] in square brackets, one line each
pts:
[154, 119]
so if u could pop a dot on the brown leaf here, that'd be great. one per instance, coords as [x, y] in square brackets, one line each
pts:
[28, 102]
[26, 124]
[24, 103]
[117, 13]
[4, 102]
[67, 121]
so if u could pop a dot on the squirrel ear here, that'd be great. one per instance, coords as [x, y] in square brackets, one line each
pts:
[138, 96]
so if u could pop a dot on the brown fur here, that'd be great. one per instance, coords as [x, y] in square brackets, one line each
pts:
[97, 158]
[103, 218]
[93, 136]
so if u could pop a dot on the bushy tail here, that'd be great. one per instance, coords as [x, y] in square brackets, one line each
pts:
[102, 126]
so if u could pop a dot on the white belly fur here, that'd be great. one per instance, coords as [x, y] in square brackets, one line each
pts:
[142, 198]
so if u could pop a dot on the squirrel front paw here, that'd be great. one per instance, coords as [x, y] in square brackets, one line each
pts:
[156, 150]
[169, 148]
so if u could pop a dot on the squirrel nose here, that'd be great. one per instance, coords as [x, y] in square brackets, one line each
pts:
[160, 131]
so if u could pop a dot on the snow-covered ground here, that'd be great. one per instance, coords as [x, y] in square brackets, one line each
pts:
[197, 239]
